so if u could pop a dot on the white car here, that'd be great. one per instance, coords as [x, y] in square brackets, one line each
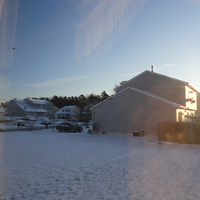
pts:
[28, 119]
[2, 127]
[44, 120]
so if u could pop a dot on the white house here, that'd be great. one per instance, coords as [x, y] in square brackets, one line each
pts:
[68, 112]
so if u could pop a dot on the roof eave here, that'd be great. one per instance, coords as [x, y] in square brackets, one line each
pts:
[191, 87]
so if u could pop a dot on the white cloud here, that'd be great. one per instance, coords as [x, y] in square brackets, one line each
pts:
[57, 82]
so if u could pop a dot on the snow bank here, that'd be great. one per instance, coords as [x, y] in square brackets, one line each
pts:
[51, 165]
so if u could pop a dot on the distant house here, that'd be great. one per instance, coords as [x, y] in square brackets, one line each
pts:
[68, 112]
[30, 107]
[143, 101]
[55, 110]
[86, 114]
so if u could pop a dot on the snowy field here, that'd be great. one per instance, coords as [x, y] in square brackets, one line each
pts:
[50, 165]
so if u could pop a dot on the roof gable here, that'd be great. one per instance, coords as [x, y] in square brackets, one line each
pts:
[149, 73]
[176, 105]
[25, 106]
[28, 107]
[159, 98]
[69, 107]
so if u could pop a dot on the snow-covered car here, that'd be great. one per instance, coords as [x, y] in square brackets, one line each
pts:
[2, 127]
[67, 126]
[20, 122]
[28, 119]
[44, 120]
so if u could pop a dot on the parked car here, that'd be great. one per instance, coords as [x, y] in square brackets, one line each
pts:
[28, 119]
[20, 122]
[2, 127]
[67, 126]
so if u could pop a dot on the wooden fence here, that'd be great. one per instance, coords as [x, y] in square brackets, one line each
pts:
[179, 132]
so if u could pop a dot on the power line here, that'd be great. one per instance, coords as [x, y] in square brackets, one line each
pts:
[7, 95]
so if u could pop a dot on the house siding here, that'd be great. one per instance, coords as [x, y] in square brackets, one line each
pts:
[14, 109]
[190, 98]
[69, 112]
[131, 111]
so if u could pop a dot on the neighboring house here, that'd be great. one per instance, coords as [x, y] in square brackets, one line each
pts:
[30, 107]
[68, 112]
[86, 114]
[55, 109]
[143, 101]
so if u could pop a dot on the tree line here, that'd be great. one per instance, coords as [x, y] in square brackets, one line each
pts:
[81, 101]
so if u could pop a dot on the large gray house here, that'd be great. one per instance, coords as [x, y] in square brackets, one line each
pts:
[143, 101]
[30, 108]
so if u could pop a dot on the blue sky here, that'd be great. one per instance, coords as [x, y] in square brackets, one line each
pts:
[69, 48]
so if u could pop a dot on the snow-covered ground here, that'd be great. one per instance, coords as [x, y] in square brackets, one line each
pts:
[46, 164]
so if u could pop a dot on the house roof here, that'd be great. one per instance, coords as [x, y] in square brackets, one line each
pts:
[22, 104]
[73, 106]
[60, 112]
[27, 107]
[176, 105]
[161, 75]
[38, 101]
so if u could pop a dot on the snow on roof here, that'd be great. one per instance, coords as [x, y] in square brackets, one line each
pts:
[22, 104]
[28, 107]
[60, 112]
[41, 110]
[69, 107]
[38, 101]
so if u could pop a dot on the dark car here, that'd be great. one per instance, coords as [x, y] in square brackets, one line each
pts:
[66, 126]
